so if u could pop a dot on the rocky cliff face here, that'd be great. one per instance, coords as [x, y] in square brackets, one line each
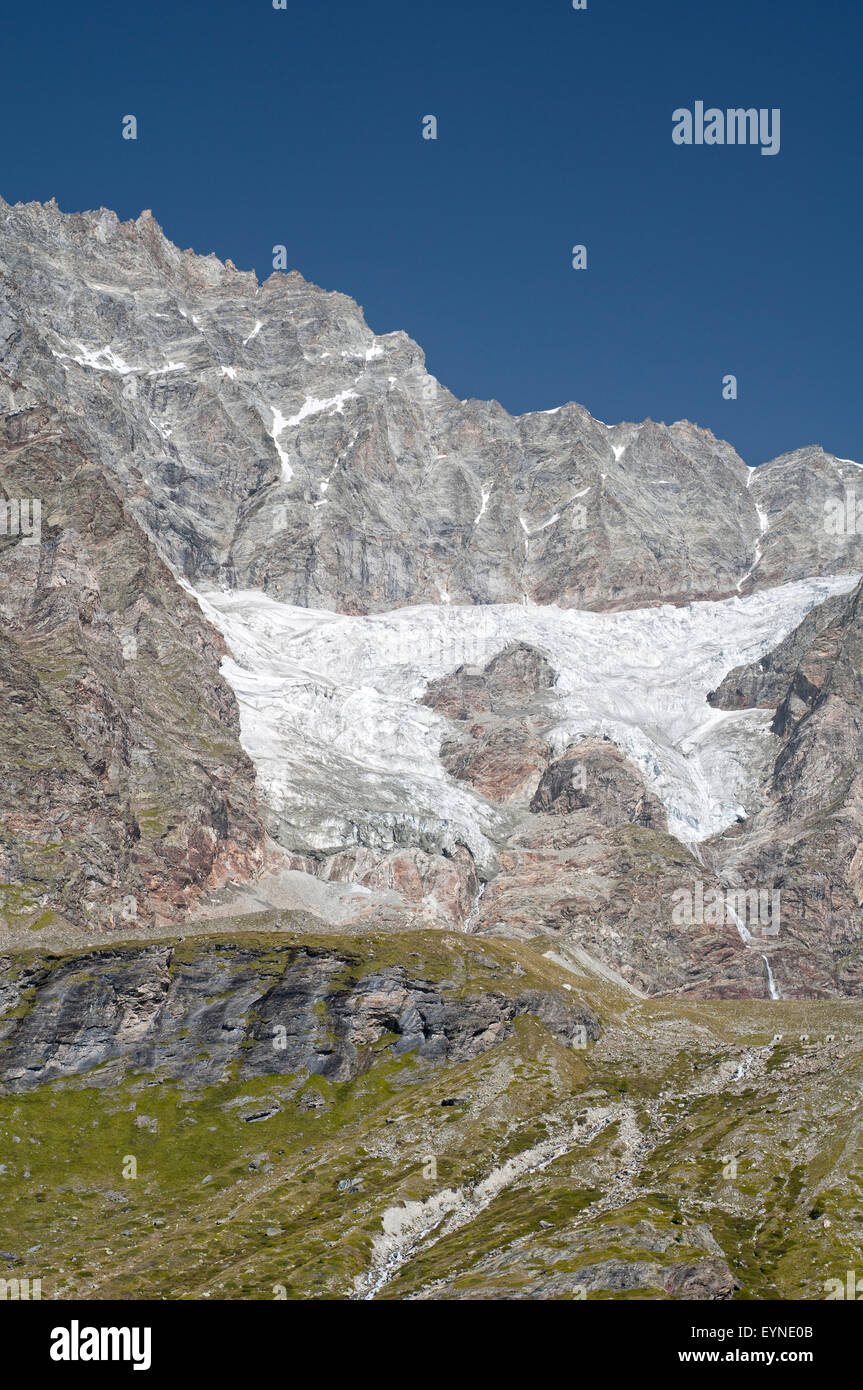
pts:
[253, 1012]
[792, 674]
[271, 440]
[424, 763]
[585, 857]
[807, 838]
[124, 787]
[304, 632]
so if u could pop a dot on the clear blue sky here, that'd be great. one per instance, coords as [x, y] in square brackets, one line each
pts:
[303, 126]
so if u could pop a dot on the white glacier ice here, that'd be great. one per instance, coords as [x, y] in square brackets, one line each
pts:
[330, 714]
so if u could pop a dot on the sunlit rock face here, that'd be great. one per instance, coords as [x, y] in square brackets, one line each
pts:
[271, 440]
[304, 632]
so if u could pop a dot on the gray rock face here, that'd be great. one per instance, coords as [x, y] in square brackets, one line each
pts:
[509, 682]
[260, 436]
[499, 748]
[584, 856]
[193, 1014]
[269, 439]
[123, 786]
[798, 662]
[597, 777]
[811, 520]
[614, 894]
[807, 840]
[694, 1281]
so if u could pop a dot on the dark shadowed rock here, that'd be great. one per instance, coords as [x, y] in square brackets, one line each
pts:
[195, 1013]
[596, 777]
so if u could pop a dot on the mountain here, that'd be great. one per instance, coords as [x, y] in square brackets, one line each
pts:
[306, 633]
[272, 441]
[430, 840]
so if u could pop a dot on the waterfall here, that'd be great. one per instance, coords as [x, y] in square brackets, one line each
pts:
[771, 983]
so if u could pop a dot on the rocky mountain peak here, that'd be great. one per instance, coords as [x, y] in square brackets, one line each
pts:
[303, 631]
[285, 446]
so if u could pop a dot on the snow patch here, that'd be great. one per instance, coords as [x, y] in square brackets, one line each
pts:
[486, 494]
[279, 423]
[764, 523]
[313, 406]
[168, 367]
[99, 359]
[535, 530]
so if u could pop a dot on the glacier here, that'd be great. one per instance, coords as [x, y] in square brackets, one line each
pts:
[345, 752]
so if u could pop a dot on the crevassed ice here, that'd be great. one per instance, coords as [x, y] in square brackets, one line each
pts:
[311, 406]
[330, 714]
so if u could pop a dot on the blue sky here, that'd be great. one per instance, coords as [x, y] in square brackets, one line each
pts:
[303, 127]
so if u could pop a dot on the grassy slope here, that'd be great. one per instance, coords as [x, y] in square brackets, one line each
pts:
[641, 1183]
